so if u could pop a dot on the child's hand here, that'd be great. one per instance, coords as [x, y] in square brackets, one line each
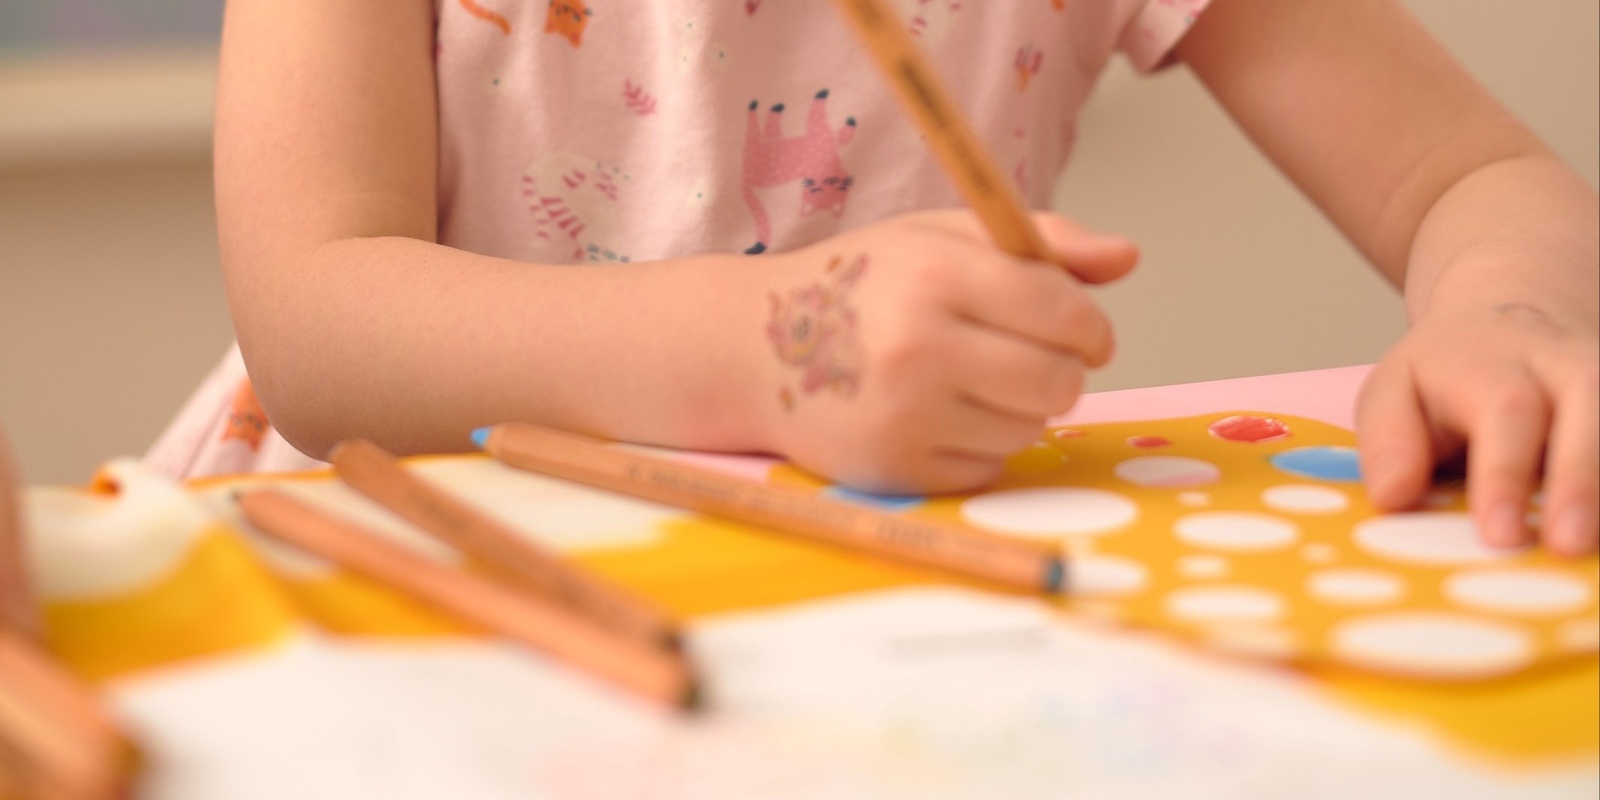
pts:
[1516, 383]
[913, 356]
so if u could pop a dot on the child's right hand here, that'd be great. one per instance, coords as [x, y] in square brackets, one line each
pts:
[913, 356]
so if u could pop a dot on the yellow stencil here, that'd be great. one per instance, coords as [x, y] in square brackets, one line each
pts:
[218, 600]
[1249, 533]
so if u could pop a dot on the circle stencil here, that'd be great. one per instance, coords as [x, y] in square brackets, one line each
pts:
[1355, 587]
[1433, 644]
[1439, 538]
[1235, 530]
[1100, 576]
[1224, 603]
[1301, 498]
[1527, 591]
[1167, 472]
[1050, 512]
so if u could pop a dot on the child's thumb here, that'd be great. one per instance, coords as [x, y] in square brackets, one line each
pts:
[1091, 256]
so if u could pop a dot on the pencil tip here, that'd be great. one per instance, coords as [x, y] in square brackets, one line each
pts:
[1055, 575]
[480, 437]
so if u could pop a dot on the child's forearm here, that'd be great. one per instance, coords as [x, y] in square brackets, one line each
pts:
[1522, 231]
[413, 344]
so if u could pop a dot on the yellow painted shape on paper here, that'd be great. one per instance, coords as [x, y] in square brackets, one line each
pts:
[218, 600]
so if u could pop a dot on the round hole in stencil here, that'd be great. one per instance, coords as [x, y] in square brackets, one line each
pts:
[1104, 576]
[1303, 498]
[1224, 603]
[1525, 591]
[1050, 512]
[1354, 586]
[1235, 530]
[1167, 472]
[1432, 644]
[1427, 537]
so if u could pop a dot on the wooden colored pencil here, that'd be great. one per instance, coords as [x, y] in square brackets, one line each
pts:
[17, 610]
[649, 671]
[986, 189]
[508, 556]
[593, 462]
[55, 740]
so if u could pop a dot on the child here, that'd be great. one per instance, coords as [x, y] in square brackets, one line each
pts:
[765, 262]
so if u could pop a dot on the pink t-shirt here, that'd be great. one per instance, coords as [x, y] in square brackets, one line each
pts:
[599, 131]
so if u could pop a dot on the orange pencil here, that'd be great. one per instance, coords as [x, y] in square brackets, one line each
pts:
[931, 543]
[17, 609]
[643, 669]
[511, 558]
[55, 740]
[987, 190]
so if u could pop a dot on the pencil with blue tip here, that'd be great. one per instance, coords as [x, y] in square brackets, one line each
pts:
[931, 543]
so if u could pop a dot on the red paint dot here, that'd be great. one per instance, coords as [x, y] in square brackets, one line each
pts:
[1148, 441]
[1248, 428]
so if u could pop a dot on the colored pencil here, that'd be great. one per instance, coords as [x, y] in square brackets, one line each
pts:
[55, 739]
[986, 189]
[648, 671]
[17, 610]
[508, 556]
[932, 543]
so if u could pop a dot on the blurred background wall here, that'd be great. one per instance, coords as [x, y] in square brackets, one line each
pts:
[111, 305]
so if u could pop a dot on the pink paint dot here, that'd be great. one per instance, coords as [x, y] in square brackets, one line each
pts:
[1248, 428]
[1148, 441]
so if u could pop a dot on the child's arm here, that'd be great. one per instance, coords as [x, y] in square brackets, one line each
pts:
[943, 354]
[1495, 241]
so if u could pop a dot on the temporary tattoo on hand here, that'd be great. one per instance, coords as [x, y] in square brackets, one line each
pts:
[814, 328]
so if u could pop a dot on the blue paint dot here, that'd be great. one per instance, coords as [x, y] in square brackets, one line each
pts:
[889, 502]
[1321, 463]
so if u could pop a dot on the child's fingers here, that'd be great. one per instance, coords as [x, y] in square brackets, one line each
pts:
[1018, 377]
[1507, 444]
[1091, 256]
[977, 429]
[1571, 513]
[1397, 455]
[1036, 303]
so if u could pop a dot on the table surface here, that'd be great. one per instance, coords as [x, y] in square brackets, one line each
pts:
[913, 690]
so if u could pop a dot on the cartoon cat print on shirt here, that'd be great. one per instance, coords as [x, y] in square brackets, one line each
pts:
[247, 422]
[573, 200]
[568, 18]
[812, 158]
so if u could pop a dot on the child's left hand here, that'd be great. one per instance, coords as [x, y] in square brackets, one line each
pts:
[1519, 384]
[1494, 240]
